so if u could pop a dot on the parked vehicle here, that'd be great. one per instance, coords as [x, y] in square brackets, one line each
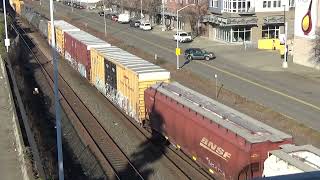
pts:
[182, 37]
[198, 54]
[145, 26]
[230, 144]
[134, 23]
[101, 13]
[80, 6]
[124, 18]
[114, 17]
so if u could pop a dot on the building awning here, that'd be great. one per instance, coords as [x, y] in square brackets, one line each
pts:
[273, 20]
[230, 21]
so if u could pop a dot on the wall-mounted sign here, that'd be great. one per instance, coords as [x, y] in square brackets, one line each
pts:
[282, 38]
[306, 18]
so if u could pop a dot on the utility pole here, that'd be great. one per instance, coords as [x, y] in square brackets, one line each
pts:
[163, 20]
[141, 9]
[7, 40]
[216, 78]
[285, 62]
[105, 21]
[178, 51]
[72, 5]
[56, 95]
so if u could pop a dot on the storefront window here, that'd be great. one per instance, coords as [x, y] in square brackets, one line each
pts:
[240, 34]
[223, 33]
[234, 34]
[270, 31]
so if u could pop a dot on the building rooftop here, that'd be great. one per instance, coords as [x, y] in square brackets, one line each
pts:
[245, 126]
[306, 157]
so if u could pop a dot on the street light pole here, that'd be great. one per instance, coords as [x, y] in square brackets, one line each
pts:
[7, 40]
[177, 40]
[163, 21]
[285, 62]
[140, 9]
[177, 27]
[216, 78]
[72, 1]
[104, 18]
[56, 95]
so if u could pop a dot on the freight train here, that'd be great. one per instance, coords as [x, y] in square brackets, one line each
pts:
[230, 144]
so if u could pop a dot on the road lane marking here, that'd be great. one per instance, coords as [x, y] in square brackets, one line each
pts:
[216, 68]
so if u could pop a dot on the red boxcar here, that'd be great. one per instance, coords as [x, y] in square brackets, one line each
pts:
[230, 144]
[77, 50]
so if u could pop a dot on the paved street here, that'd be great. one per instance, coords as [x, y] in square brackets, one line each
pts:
[254, 74]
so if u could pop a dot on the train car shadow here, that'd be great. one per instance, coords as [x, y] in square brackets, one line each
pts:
[149, 152]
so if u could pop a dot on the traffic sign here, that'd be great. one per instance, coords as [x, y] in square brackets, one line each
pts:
[178, 51]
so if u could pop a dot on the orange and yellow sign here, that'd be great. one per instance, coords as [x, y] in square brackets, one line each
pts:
[306, 18]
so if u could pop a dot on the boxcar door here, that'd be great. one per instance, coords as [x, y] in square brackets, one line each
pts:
[113, 76]
[107, 73]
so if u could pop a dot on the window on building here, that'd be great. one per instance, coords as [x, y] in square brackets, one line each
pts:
[235, 5]
[248, 5]
[264, 4]
[275, 3]
[279, 3]
[291, 3]
[223, 33]
[241, 34]
[270, 31]
[269, 4]
[215, 3]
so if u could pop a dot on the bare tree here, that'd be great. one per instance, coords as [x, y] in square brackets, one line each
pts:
[194, 15]
[317, 46]
[132, 5]
[152, 7]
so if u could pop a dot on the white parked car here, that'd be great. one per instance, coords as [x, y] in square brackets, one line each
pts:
[145, 26]
[182, 37]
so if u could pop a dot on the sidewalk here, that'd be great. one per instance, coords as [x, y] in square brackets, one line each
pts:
[10, 139]
[260, 60]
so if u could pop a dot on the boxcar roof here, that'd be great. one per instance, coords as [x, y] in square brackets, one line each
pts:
[64, 26]
[251, 129]
[130, 61]
[88, 39]
[306, 157]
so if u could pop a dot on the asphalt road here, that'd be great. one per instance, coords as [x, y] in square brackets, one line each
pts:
[292, 94]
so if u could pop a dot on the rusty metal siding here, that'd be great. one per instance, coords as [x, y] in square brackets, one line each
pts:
[81, 43]
[216, 147]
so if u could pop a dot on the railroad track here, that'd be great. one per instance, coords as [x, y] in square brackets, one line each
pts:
[175, 157]
[118, 162]
[171, 153]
